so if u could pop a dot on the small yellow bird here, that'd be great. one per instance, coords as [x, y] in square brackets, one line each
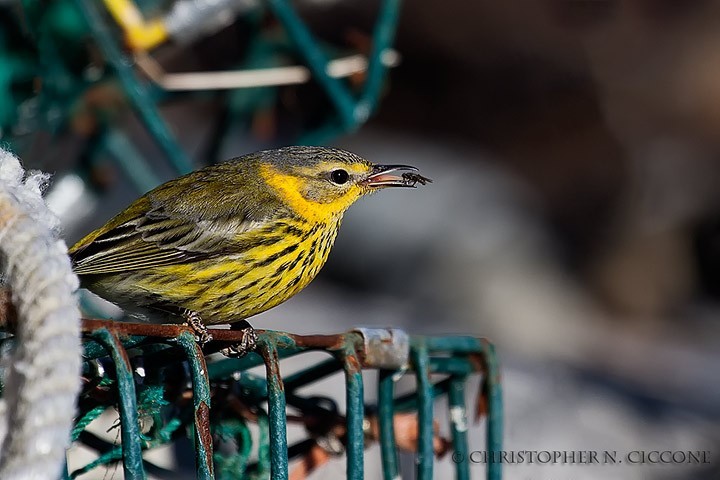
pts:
[231, 240]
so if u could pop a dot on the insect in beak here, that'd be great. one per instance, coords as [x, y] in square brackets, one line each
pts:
[394, 176]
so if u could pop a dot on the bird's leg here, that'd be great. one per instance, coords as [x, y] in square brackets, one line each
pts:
[195, 322]
[246, 345]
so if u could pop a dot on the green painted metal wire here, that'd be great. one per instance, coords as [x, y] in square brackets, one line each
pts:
[458, 358]
[130, 431]
[137, 93]
[454, 359]
[459, 424]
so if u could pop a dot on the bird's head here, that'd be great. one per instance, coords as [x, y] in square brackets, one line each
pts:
[319, 182]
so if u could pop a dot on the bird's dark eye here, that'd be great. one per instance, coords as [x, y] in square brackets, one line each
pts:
[339, 176]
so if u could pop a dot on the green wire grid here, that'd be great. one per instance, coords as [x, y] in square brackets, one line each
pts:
[57, 33]
[185, 396]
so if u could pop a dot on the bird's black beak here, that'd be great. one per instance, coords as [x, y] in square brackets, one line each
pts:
[394, 176]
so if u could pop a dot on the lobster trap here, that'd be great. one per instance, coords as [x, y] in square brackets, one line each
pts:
[64, 64]
[161, 374]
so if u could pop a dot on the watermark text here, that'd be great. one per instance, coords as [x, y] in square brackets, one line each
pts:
[585, 457]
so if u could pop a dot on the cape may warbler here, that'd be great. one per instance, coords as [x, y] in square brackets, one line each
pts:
[231, 240]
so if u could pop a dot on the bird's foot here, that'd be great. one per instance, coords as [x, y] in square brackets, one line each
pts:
[194, 321]
[246, 345]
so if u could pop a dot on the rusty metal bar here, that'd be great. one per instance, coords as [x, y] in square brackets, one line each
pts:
[201, 403]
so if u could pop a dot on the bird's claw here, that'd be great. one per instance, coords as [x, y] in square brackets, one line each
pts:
[246, 345]
[202, 334]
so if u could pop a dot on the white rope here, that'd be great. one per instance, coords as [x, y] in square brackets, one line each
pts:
[42, 375]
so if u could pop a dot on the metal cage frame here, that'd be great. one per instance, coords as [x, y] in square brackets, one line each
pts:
[390, 351]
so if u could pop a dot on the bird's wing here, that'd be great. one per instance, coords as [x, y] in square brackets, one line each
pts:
[156, 232]
[157, 239]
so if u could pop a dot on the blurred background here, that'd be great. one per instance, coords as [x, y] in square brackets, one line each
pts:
[574, 216]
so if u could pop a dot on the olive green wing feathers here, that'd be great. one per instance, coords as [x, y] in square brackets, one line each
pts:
[153, 240]
[193, 218]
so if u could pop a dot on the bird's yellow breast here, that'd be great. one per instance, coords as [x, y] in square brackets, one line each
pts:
[234, 287]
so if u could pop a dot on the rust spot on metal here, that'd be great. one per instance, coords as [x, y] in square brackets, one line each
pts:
[360, 354]
[493, 377]
[125, 329]
[202, 425]
[329, 342]
[229, 336]
[477, 362]
[352, 364]
[272, 362]
[121, 349]
[482, 404]
[222, 337]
